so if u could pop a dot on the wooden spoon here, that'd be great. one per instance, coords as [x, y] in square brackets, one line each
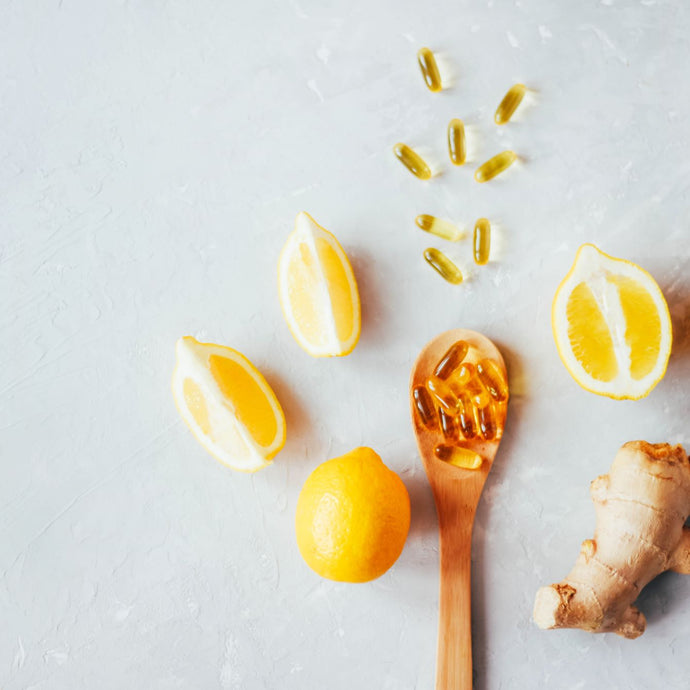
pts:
[456, 493]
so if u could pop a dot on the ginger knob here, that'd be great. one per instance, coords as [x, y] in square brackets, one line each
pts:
[641, 507]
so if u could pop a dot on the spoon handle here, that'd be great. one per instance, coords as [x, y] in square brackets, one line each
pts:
[454, 658]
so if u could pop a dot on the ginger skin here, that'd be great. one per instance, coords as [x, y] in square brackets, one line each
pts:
[641, 508]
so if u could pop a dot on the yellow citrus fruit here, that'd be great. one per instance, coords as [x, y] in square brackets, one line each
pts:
[611, 325]
[353, 515]
[227, 404]
[318, 292]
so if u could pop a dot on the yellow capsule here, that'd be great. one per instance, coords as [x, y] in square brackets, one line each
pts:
[494, 166]
[462, 375]
[425, 408]
[449, 426]
[412, 161]
[443, 265]
[457, 149]
[466, 419]
[443, 394]
[482, 241]
[452, 359]
[487, 421]
[460, 457]
[509, 104]
[478, 394]
[427, 63]
[438, 226]
[493, 380]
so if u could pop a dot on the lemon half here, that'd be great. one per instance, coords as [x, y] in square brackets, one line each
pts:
[611, 325]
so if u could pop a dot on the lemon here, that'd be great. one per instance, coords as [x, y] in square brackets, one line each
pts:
[318, 292]
[611, 325]
[353, 516]
[227, 404]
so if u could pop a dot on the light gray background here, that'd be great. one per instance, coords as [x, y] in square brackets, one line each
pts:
[154, 155]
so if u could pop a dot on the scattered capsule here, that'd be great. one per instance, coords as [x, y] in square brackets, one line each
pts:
[482, 241]
[493, 380]
[438, 226]
[509, 104]
[494, 166]
[460, 457]
[427, 63]
[478, 394]
[452, 359]
[449, 426]
[487, 421]
[457, 149]
[443, 265]
[443, 394]
[412, 161]
[466, 420]
[424, 405]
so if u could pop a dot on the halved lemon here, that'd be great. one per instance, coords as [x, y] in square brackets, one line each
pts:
[227, 404]
[318, 292]
[611, 325]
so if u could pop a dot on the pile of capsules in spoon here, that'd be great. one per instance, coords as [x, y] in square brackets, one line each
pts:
[457, 151]
[462, 401]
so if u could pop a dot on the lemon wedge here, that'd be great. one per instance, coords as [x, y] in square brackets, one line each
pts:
[611, 325]
[318, 292]
[227, 404]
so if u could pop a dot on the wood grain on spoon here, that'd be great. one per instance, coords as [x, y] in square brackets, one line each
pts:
[456, 493]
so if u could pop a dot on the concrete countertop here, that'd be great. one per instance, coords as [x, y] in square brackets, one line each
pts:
[154, 156]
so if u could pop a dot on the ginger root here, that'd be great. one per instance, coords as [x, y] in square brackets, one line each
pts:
[641, 508]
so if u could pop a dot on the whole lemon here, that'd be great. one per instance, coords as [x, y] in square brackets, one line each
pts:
[353, 516]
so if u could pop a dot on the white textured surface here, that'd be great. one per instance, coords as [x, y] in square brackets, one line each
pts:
[154, 155]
